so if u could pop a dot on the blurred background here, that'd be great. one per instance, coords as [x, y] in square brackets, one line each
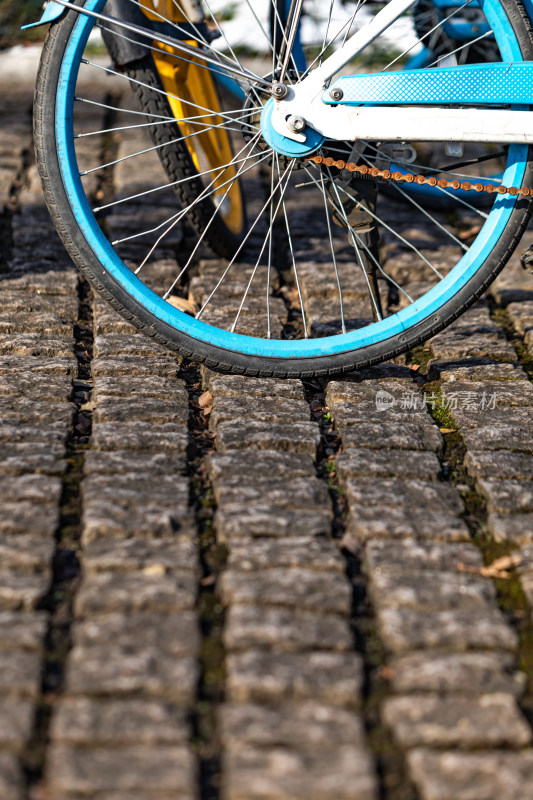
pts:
[14, 14]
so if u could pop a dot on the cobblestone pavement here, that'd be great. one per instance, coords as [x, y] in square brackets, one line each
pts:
[251, 589]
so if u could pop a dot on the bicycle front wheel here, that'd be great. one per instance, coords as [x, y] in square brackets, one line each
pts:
[329, 274]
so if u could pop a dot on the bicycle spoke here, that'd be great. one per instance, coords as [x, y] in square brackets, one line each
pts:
[254, 271]
[250, 230]
[394, 233]
[239, 174]
[156, 147]
[167, 185]
[421, 39]
[162, 91]
[291, 248]
[356, 242]
[341, 303]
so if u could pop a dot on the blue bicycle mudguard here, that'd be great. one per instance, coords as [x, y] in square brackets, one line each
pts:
[416, 313]
[52, 12]
[504, 82]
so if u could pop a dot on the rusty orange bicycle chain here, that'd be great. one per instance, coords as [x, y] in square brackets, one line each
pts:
[409, 177]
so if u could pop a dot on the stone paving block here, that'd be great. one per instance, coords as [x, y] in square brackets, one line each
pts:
[475, 673]
[168, 438]
[387, 435]
[263, 409]
[474, 369]
[21, 518]
[150, 521]
[491, 720]
[466, 343]
[130, 592]
[240, 386]
[173, 634]
[362, 394]
[19, 630]
[262, 677]
[35, 414]
[38, 365]
[36, 387]
[21, 673]
[37, 489]
[298, 727]
[256, 466]
[151, 557]
[320, 592]
[285, 629]
[63, 283]
[405, 629]
[430, 591]
[16, 722]
[412, 556]
[272, 773]
[409, 492]
[236, 521]
[307, 493]
[46, 324]
[490, 775]
[21, 592]
[506, 496]
[521, 315]
[497, 417]
[502, 464]
[513, 285]
[312, 555]
[516, 528]
[33, 458]
[138, 488]
[65, 307]
[94, 770]
[298, 437]
[500, 436]
[117, 366]
[140, 387]
[34, 344]
[479, 394]
[402, 522]
[141, 409]
[112, 722]
[109, 670]
[365, 462]
[526, 574]
[26, 553]
[127, 462]
[11, 779]
[116, 344]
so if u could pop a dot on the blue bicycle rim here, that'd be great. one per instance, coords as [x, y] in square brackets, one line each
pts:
[405, 319]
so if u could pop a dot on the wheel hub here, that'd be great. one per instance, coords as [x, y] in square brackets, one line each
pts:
[284, 145]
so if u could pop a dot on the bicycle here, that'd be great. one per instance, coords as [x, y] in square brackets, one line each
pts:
[319, 144]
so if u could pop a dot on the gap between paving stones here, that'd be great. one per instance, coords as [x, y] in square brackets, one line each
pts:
[213, 556]
[66, 562]
[394, 782]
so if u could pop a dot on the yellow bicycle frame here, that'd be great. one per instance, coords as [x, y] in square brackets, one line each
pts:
[192, 88]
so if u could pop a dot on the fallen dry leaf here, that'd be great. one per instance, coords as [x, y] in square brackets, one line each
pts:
[182, 304]
[500, 567]
[473, 231]
[414, 366]
[350, 544]
[154, 569]
[205, 401]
